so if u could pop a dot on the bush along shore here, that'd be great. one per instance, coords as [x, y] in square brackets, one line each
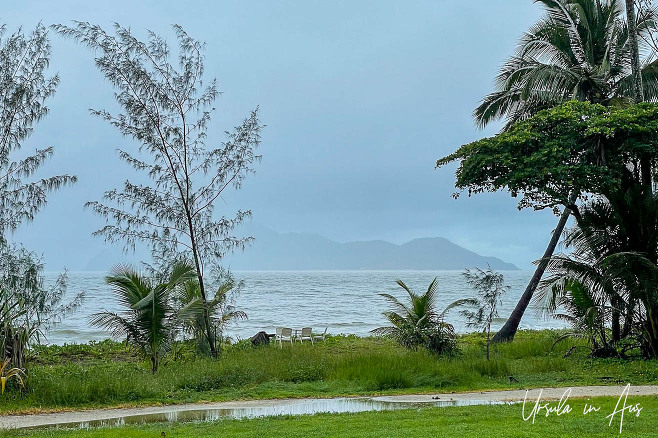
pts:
[110, 374]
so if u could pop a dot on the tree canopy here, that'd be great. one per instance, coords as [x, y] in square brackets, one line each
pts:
[576, 148]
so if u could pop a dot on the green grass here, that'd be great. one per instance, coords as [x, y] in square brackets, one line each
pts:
[486, 421]
[107, 374]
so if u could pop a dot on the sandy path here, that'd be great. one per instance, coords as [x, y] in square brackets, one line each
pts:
[253, 408]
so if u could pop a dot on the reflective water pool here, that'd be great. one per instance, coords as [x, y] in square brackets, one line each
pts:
[212, 412]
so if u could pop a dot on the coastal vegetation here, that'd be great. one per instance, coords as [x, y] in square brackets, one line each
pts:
[27, 307]
[579, 141]
[149, 321]
[600, 156]
[490, 287]
[166, 108]
[581, 50]
[109, 373]
[417, 323]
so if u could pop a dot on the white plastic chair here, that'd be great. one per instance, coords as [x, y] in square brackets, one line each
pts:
[283, 334]
[322, 337]
[306, 334]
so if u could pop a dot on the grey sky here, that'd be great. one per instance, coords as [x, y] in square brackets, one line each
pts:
[359, 98]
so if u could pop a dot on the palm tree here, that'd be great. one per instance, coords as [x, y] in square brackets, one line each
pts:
[189, 301]
[417, 322]
[606, 282]
[582, 288]
[575, 303]
[149, 320]
[580, 49]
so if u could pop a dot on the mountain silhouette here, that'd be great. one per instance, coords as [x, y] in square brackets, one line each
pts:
[307, 251]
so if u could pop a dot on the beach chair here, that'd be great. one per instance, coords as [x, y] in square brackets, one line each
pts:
[283, 334]
[322, 337]
[306, 334]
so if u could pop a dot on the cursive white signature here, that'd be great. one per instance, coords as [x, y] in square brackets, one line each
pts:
[636, 409]
[563, 407]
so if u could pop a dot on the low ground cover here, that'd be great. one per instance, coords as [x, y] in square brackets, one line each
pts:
[109, 374]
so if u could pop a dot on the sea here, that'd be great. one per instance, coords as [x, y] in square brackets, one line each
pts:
[344, 302]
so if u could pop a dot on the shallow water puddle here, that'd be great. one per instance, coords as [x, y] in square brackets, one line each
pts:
[288, 407]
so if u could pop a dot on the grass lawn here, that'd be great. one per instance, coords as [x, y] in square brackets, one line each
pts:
[107, 374]
[483, 421]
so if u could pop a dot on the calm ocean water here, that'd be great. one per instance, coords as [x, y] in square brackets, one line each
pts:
[344, 301]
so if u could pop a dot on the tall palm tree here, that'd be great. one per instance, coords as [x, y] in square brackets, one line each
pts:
[580, 50]
[415, 323]
[149, 320]
[638, 92]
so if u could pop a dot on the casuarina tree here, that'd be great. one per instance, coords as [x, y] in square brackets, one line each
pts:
[25, 304]
[166, 107]
[24, 89]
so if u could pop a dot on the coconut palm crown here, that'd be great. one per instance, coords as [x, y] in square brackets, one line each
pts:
[580, 50]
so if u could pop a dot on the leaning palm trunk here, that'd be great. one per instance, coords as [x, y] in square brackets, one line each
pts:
[507, 332]
[570, 31]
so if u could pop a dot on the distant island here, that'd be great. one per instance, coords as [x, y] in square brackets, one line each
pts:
[306, 251]
[273, 251]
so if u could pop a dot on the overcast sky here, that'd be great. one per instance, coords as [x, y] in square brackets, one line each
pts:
[359, 98]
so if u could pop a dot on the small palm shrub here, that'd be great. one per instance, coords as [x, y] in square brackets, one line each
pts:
[149, 321]
[417, 323]
[192, 311]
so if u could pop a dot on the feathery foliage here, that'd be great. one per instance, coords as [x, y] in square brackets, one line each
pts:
[24, 89]
[166, 109]
[490, 287]
[26, 306]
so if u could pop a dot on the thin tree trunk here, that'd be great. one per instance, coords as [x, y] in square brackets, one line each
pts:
[511, 326]
[206, 316]
[638, 91]
[616, 320]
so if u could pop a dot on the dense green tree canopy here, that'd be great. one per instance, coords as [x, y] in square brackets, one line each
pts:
[576, 148]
